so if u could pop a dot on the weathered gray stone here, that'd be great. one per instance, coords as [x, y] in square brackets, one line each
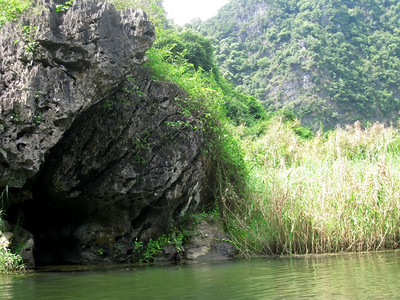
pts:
[122, 170]
[210, 243]
[61, 65]
[25, 241]
[6, 239]
[95, 152]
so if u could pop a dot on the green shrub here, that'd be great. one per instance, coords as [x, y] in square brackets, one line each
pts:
[10, 262]
[196, 49]
[10, 10]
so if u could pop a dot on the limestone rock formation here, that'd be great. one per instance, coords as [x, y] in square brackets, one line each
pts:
[53, 67]
[94, 152]
[210, 243]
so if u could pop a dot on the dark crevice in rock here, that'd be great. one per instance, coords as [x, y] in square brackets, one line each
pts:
[137, 223]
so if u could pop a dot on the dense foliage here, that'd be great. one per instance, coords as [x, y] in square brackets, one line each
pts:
[196, 49]
[332, 62]
[10, 263]
[335, 192]
[10, 10]
[207, 102]
[297, 193]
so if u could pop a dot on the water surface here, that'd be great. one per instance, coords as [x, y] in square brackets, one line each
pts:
[347, 276]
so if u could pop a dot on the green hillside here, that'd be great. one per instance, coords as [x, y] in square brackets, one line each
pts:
[331, 62]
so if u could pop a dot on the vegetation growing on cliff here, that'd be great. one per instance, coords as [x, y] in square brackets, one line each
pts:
[206, 102]
[332, 62]
[10, 10]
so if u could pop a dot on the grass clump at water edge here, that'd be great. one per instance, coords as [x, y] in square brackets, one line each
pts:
[10, 262]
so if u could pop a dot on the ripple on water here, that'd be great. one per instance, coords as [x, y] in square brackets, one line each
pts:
[355, 276]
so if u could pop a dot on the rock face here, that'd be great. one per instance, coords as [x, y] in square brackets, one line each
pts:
[94, 152]
[62, 64]
[210, 243]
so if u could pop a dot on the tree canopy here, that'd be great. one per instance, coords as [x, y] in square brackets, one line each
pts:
[332, 62]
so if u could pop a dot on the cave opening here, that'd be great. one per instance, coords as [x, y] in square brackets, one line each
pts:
[53, 222]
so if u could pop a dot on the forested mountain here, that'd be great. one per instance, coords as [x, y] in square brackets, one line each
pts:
[331, 62]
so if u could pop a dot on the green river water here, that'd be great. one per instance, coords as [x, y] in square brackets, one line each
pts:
[346, 276]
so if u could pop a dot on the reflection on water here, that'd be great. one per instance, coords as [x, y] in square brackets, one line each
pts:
[348, 276]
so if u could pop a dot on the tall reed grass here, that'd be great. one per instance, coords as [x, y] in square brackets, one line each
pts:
[336, 192]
